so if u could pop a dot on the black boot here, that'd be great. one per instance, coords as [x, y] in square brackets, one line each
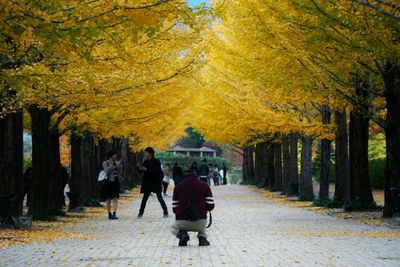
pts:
[183, 238]
[110, 217]
[115, 216]
[203, 242]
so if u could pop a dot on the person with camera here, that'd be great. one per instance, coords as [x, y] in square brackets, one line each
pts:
[152, 181]
[191, 201]
[113, 169]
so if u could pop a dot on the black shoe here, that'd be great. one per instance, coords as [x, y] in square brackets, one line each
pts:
[110, 217]
[140, 215]
[165, 215]
[203, 242]
[183, 238]
[114, 216]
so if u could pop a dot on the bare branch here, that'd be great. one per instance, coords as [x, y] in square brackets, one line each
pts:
[378, 8]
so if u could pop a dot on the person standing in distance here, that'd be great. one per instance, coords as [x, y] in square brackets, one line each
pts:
[152, 181]
[177, 174]
[225, 171]
[204, 171]
[113, 168]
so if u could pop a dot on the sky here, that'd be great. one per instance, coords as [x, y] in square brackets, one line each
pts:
[196, 2]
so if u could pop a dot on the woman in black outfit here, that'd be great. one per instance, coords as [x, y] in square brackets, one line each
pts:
[152, 178]
[112, 186]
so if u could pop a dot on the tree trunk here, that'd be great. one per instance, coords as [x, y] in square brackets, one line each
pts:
[76, 171]
[244, 165]
[139, 177]
[278, 167]
[11, 159]
[286, 165]
[250, 172]
[56, 183]
[42, 206]
[85, 168]
[392, 131]
[293, 165]
[325, 156]
[360, 187]
[129, 165]
[270, 165]
[104, 148]
[90, 168]
[261, 166]
[342, 168]
[135, 173]
[306, 184]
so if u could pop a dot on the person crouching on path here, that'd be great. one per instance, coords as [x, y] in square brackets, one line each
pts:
[152, 178]
[191, 200]
[113, 169]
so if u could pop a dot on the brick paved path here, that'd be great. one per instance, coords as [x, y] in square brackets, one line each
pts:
[248, 231]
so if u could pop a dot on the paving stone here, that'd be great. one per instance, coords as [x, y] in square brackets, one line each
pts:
[248, 230]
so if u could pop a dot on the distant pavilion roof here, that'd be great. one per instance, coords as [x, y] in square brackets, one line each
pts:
[192, 149]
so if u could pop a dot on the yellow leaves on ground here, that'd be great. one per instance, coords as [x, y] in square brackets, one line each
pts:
[40, 232]
[62, 228]
[345, 234]
[369, 218]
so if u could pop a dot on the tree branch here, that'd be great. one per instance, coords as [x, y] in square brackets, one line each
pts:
[379, 9]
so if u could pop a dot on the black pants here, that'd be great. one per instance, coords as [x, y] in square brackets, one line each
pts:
[165, 187]
[160, 199]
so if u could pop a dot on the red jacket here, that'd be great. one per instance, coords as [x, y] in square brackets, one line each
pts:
[193, 190]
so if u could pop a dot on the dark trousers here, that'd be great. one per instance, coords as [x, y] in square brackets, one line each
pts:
[165, 187]
[146, 196]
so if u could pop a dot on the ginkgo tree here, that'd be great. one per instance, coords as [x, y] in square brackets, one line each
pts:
[273, 62]
[257, 74]
[116, 68]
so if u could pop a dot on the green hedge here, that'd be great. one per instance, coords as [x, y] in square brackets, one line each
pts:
[376, 151]
[376, 171]
[185, 161]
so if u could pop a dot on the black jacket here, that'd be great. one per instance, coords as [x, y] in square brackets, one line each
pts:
[177, 174]
[204, 170]
[152, 177]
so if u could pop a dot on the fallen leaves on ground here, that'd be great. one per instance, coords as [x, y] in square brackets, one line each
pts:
[61, 228]
[369, 218]
[347, 233]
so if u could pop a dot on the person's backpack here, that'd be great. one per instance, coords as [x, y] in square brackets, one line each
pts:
[192, 212]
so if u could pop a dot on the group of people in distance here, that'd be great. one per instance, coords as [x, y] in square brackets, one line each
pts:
[192, 198]
[208, 173]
